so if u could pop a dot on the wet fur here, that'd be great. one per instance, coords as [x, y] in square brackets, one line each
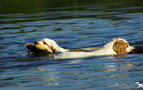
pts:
[115, 47]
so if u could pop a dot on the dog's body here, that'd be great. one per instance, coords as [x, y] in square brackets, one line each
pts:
[116, 46]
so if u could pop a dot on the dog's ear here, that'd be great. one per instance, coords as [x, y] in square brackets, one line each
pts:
[120, 47]
[53, 48]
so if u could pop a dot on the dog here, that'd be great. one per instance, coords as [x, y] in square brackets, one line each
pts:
[115, 47]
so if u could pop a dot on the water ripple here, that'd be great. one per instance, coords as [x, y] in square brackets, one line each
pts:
[72, 27]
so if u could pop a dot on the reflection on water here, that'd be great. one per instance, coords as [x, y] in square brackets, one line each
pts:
[73, 24]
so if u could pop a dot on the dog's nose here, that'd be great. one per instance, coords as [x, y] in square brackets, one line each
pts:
[36, 42]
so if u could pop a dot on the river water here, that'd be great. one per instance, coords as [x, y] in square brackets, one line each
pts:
[75, 26]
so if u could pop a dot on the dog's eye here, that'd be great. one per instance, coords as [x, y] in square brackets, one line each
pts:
[44, 43]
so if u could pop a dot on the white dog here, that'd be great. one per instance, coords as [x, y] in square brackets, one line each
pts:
[116, 47]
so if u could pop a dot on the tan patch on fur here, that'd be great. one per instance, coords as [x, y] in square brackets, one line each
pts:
[120, 47]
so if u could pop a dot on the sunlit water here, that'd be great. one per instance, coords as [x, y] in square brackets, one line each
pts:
[86, 26]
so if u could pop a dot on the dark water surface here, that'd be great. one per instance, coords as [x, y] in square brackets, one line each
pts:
[72, 24]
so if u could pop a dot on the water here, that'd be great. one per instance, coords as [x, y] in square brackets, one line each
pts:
[72, 26]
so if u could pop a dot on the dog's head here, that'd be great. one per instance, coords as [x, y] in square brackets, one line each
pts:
[121, 46]
[47, 45]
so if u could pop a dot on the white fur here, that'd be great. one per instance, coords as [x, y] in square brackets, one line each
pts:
[54, 44]
[49, 43]
[106, 50]
[51, 46]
